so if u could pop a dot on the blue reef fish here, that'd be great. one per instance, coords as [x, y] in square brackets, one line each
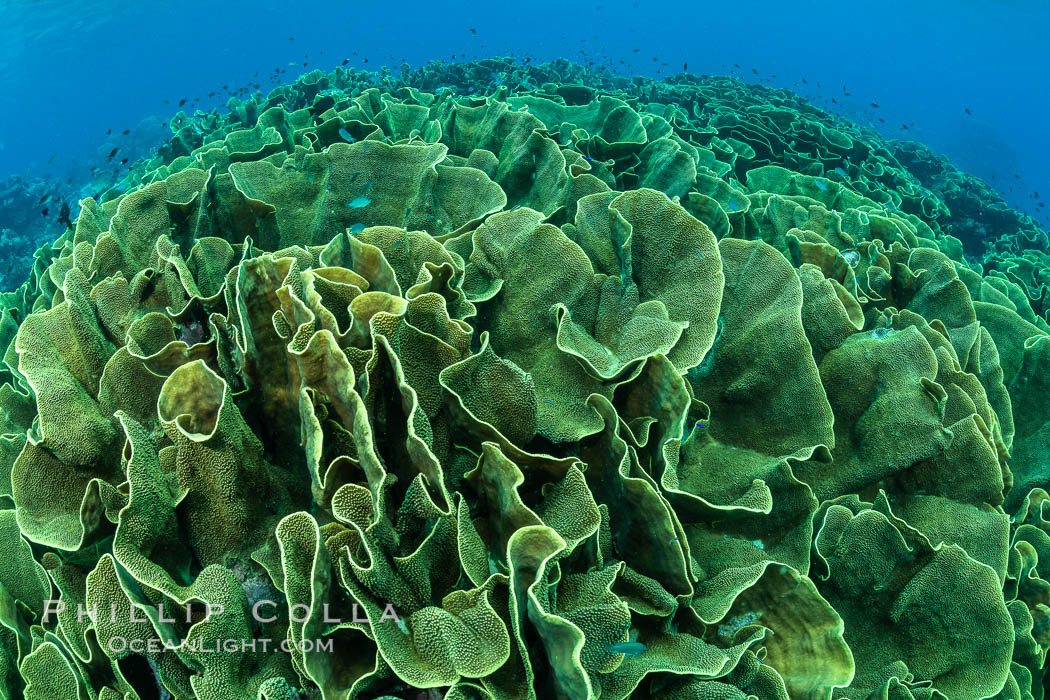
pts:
[733, 206]
[627, 648]
[346, 135]
[357, 228]
[358, 202]
[821, 185]
[841, 171]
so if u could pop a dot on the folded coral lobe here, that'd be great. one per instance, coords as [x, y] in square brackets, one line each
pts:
[567, 387]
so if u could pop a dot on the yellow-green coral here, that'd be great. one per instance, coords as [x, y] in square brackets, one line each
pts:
[611, 390]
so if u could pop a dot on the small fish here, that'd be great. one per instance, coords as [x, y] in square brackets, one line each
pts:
[474, 32]
[182, 101]
[357, 228]
[359, 202]
[112, 153]
[733, 206]
[673, 540]
[44, 212]
[126, 132]
[346, 135]
[967, 109]
[875, 105]
[63, 215]
[546, 402]
[123, 161]
[627, 648]
[821, 185]
[685, 66]
[754, 71]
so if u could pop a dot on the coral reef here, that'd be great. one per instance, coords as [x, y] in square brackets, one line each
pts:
[29, 213]
[526, 382]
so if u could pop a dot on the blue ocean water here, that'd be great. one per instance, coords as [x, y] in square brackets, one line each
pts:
[968, 79]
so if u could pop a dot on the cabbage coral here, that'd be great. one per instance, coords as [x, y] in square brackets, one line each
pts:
[581, 389]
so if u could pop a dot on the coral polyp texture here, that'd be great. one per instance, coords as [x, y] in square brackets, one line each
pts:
[493, 381]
